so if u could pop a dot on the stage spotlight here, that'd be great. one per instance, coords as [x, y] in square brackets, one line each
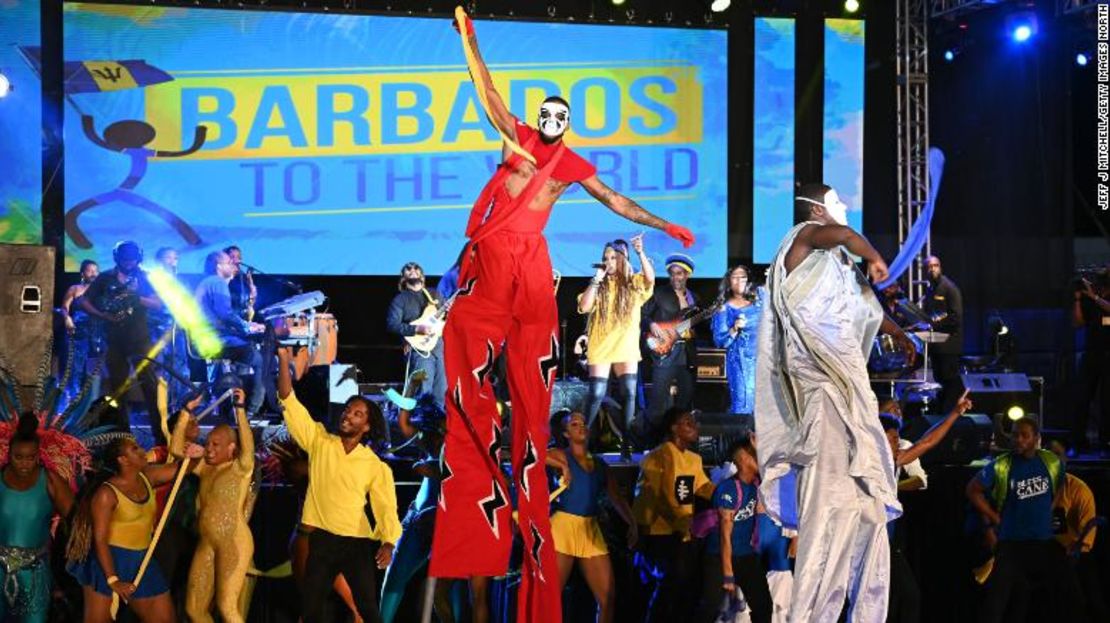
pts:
[717, 6]
[618, 2]
[5, 85]
[1081, 59]
[1022, 33]
[1015, 413]
[851, 6]
[949, 55]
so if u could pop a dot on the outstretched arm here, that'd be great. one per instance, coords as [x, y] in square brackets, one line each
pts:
[933, 436]
[632, 211]
[198, 141]
[499, 114]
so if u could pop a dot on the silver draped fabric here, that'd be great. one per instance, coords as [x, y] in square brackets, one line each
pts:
[826, 465]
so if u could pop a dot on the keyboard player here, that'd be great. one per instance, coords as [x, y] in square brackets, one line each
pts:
[214, 298]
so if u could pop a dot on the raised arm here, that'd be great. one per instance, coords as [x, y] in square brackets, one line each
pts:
[302, 427]
[90, 132]
[646, 268]
[499, 114]
[246, 436]
[199, 136]
[632, 211]
[933, 436]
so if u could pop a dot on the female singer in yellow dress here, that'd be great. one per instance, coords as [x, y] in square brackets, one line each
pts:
[613, 300]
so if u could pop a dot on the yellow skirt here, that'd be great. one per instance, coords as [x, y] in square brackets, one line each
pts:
[577, 536]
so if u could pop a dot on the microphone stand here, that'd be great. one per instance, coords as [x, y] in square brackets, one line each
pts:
[284, 282]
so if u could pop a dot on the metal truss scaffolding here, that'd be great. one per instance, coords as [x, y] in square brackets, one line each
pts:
[912, 84]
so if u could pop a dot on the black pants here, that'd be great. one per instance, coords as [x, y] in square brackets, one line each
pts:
[328, 556]
[946, 371]
[1024, 569]
[675, 560]
[905, 595]
[123, 348]
[1094, 376]
[750, 577]
[666, 369]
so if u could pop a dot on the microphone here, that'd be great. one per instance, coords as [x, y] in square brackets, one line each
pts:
[601, 266]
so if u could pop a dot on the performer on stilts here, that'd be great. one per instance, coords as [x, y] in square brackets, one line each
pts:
[821, 447]
[506, 297]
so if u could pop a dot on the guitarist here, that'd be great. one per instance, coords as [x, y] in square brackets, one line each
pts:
[410, 304]
[667, 305]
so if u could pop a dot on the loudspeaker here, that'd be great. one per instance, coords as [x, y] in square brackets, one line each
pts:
[711, 365]
[968, 439]
[998, 392]
[718, 431]
[26, 312]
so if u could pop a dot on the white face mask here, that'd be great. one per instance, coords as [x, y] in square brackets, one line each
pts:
[554, 119]
[836, 208]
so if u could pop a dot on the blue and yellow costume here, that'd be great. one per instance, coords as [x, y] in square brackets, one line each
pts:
[24, 565]
[574, 524]
[739, 350]
[129, 536]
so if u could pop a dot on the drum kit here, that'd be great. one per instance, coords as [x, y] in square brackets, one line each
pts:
[908, 374]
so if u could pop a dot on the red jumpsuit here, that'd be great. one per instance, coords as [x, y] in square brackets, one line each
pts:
[506, 296]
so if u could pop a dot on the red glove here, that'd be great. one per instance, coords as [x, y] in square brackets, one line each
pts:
[468, 24]
[680, 233]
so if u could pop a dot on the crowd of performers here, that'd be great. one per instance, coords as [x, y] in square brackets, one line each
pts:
[795, 525]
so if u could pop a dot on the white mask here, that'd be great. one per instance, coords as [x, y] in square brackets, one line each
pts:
[836, 208]
[554, 119]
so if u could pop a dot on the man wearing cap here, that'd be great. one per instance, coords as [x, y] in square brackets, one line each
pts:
[670, 304]
[120, 298]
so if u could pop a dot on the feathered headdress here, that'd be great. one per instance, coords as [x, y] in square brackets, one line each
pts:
[65, 438]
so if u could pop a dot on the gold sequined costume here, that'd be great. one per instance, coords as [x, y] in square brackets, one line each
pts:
[226, 546]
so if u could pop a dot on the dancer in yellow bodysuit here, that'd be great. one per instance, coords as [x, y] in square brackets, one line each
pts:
[225, 549]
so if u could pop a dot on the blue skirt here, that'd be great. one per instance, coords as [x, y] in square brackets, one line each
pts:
[127, 561]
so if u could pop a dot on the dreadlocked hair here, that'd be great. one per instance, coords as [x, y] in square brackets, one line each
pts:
[606, 315]
[81, 532]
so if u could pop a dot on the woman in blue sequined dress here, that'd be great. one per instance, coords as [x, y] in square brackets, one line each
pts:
[735, 328]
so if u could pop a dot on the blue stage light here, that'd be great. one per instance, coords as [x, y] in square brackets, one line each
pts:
[1081, 59]
[949, 55]
[1022, 33]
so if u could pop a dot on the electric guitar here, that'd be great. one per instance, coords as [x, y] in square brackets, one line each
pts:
[674, 328]
[434, 318]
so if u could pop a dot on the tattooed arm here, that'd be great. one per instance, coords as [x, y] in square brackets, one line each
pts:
[620, 204]
[632, 211]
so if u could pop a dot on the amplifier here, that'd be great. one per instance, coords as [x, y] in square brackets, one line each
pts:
[711, 365]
